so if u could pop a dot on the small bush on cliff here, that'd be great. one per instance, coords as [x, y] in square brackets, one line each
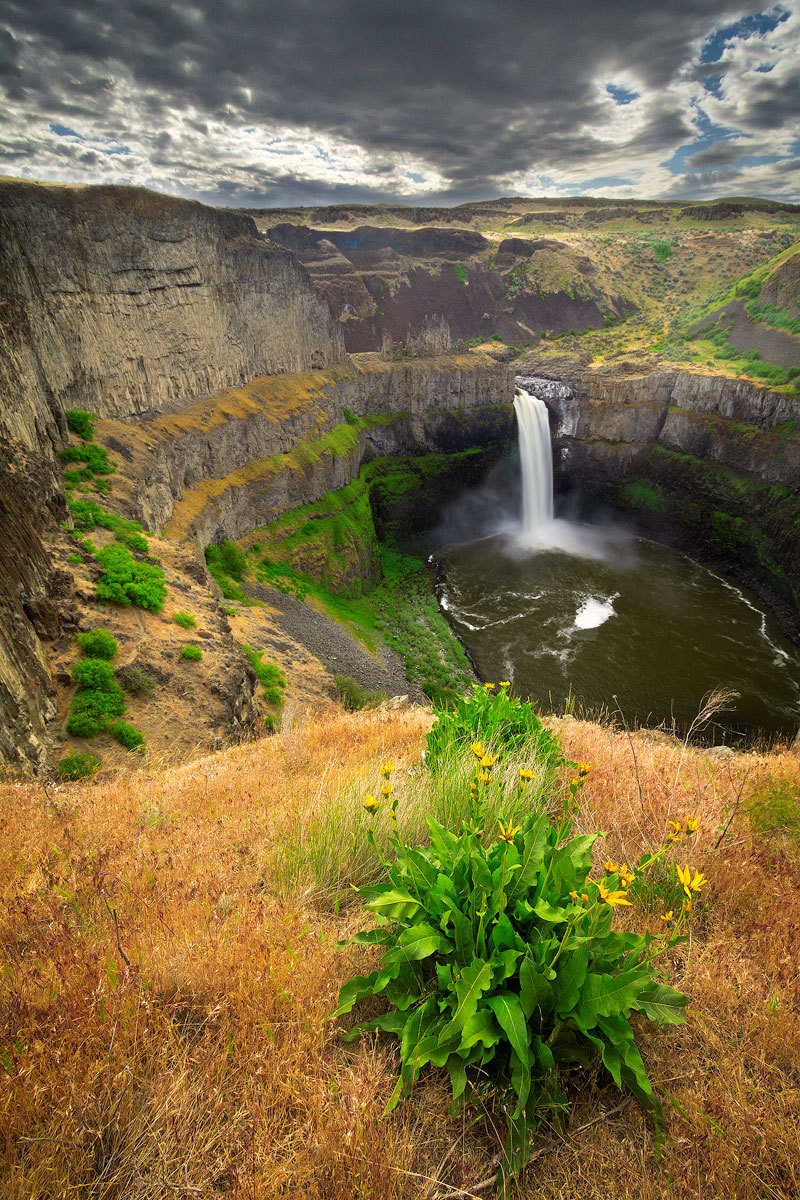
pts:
[353, 696]
[127, 735]
[123, 580]
[82, 423]
[95, 457]
[98, 643]
[192, 653]
[501, 722]
[185, 620]
[77, 765]
[269, 675]
[98, 700]
[135, 681]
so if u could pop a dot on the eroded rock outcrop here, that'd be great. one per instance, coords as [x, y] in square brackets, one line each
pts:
[122, 301]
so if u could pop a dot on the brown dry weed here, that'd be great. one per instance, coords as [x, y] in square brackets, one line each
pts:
[163, 1011]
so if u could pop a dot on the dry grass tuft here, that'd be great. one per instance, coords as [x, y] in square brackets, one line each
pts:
[192, 1056]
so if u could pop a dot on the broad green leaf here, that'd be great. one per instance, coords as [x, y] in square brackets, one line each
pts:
[417, 1026]
[442, 840]
[504, 964]
[420, 941]
[663, 1004]
[546, 912]
[462, 933]
[503, 936]
[396, 902]
[435, 1048]
[511, 1019]
[355, 989]
[535, 992]
[481, 1028]
[520, 1079]
[474, 981]
[607, 995]
[571, 976]
[374, 937]
[531, 858]
[543, 1055]
[406, 988]
[610, 1055]
[457, 1069]
[393, 1022]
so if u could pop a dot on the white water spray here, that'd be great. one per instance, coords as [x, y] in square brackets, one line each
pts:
[536, 456]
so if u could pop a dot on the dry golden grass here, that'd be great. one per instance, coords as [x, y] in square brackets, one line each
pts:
[204, 1065]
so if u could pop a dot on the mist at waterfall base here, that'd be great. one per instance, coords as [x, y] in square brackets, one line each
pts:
[598, 614]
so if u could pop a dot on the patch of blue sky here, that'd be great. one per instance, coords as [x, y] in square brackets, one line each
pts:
[116, 148]
[65, 131]
[599, 181]
[621, 95]
[708, 133]
[415, 177]
[758, 23]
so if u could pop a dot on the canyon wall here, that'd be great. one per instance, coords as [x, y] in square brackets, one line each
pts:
[707, 462]
[122, 301]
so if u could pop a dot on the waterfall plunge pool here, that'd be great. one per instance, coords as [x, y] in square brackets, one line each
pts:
[612, 620]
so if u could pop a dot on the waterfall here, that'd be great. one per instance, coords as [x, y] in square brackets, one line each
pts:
[536, 456]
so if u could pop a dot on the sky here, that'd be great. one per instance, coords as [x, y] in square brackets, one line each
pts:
[291, 102]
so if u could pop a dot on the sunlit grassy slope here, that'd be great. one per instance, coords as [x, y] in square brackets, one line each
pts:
[169, 961]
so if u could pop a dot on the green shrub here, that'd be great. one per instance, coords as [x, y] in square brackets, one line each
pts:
[90, 673]
[135, 681]
[193, 653]
[127, 735]
[353, 696]
[92, 708]
[134, 541]
[95, 457]
[97, 643]
[495, 718]
[74, 559]
[499, 962]
[185, 620]
[123, 580]
[82, 423]
[269, 675]
[77, 765]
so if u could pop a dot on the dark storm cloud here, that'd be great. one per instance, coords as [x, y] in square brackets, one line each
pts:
[477, 90]
[722, 154]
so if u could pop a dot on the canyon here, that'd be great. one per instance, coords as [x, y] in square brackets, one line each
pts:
[241, 368]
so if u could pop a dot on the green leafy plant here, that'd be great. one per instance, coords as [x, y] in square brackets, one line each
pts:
[135, 681]
[77, 765]
[82, 423]
[269, 675]
[123, 580]
[192, 653]
[134, 541]
[490, 714]
[354, 697]
[97, 643]
[499, 961]
[185, 620]
[127, 735]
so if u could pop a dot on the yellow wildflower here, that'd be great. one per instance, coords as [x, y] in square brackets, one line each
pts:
[371, 804]
[687, 906]
[574, 896]
[488, 760]
[583, 769]
[489, 687]
[584, 898]
[692, 824]
[625, 875]
[698, 881]
[667, 916]
[483, 777]
[386, 789]
[386, 769]
[505, 683]
[575, 783]
[610, 866]
[676, 831]
[611, 897]
[477, 749]
[525, 775]
[508, 834]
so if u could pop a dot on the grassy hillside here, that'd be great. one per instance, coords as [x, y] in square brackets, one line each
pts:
[171, 959]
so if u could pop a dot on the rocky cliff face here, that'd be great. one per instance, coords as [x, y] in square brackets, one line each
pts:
[121, 301]
[710, 462]
[243, 457]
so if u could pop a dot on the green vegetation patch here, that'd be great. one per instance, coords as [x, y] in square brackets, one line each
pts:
[192, 653]
[354, 697]
[98, 643]
[81, 423]
[125, 580]
[269, 675]
[185, 620]
[77, 765]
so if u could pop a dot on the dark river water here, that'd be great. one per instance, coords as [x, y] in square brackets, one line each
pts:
[623, 618]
